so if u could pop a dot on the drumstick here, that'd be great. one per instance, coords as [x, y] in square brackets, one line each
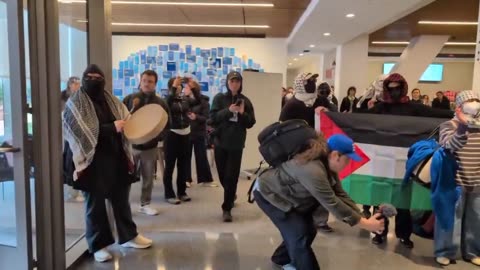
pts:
[135, 103]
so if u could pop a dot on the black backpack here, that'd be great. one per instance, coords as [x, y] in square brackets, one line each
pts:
[280, 141]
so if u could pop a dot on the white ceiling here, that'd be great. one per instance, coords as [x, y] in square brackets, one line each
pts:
[330, 16]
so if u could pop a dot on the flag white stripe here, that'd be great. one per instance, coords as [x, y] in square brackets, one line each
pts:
[385, 161]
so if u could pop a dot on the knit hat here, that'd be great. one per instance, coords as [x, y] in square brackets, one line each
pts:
[466, 95]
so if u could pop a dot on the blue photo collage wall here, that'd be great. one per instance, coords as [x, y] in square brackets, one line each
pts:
[209, 66]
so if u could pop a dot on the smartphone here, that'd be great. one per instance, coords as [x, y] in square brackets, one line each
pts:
[238, 102]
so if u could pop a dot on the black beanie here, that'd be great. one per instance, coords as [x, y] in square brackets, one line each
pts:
[93, 68]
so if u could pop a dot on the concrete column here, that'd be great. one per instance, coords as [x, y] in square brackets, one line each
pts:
[415, 59]
[100, 37]
[476, 68]
[351, 67]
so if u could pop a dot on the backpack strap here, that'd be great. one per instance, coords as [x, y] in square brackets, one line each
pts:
[251, 199]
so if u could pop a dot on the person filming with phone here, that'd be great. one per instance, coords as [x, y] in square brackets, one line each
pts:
[231, 115]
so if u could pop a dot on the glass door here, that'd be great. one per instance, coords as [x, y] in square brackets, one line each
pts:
[15, 146]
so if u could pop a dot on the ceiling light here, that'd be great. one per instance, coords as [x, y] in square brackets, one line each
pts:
[447, 23]
[289, 64]
[350, 15]
[326, 34]
[312, 46]
[295, 59]
[406, 43]
[301, 54]
[174, 3]
[186, 25]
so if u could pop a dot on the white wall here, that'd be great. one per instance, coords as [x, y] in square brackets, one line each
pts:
[457, 75]
[270, 53]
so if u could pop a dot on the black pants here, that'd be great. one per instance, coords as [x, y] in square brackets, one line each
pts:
[228, 167]
[298, 232]
[403, 224]
[176, 151]
[199, 147]
[99, 234]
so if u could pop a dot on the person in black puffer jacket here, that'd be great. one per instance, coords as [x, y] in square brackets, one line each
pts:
[231, 115]
[145, 155]
[177, 143]
[198, 138]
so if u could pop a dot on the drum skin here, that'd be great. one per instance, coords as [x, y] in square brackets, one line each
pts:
[145, 124]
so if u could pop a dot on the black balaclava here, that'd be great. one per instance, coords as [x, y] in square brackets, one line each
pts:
[324, 89]
[94, 88]
[310, 87]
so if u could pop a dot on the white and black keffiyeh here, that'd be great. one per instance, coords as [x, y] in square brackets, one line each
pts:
[81, 127]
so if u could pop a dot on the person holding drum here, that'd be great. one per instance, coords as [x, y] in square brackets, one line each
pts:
[177, 143]
[145, 155]
[93, 122]
[231, 114]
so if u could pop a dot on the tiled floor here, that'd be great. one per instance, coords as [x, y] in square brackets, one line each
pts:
[192, 236]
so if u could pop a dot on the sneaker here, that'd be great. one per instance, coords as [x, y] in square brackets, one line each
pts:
[102, 255]
[148, 210]
[325, 228]
[189, 184]
[208, 184]
[289, 267]
[475, 261]
[173, 201]
[442, 261]
[138, 242]
[377, 240]
[406, 242]
[227, 216]
[185, 198]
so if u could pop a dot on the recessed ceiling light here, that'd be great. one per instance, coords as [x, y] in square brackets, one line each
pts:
[326, 34]
[173, 3]
[289, 64]
[301, 54]
[350, 15]
[186, 25]
[295, 59]
[448, 23]
[312, 46]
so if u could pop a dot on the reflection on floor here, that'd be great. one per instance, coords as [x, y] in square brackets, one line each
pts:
[192, 236]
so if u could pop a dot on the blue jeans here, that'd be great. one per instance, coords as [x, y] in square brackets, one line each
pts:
[298, 232]
[466, 232]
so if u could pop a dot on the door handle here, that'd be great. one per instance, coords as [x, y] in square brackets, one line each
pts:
[9, 149]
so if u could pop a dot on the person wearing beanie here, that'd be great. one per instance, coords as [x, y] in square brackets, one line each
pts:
[103, 167]
[461, 136]
[231, 115]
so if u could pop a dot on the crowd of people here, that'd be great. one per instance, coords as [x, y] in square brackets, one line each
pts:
[297, 196]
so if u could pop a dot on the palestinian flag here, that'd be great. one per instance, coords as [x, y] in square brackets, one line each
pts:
[383, 142]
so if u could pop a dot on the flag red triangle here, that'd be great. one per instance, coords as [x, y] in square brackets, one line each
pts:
[329, 128]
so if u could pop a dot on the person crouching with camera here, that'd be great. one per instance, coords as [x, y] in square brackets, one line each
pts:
[290, 193]
[231, 115]
[177, 143]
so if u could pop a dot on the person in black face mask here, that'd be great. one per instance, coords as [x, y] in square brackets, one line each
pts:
[93, 122]
[396, 102]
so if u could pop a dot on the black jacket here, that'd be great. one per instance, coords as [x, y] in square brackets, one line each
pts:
[179, 107]
[144, 100]
[444, 104]
[345, 106]
[201, 108]
[296, 109]
[229, 134]
[410, 109]
[419, 101]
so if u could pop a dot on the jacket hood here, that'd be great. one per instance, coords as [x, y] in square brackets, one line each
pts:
[395, 77]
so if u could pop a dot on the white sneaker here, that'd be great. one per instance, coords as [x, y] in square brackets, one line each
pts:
[102, 255]
[139, 242]
[289, 267]
[443, 261]
[148, 210]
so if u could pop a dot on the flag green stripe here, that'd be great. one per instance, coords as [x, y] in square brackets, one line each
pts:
[374, 190]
